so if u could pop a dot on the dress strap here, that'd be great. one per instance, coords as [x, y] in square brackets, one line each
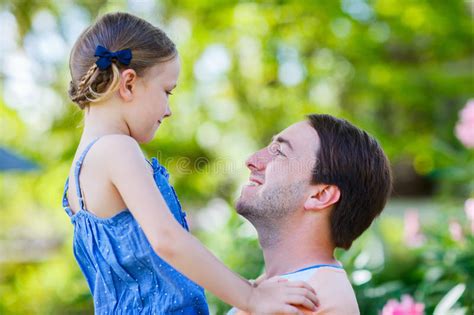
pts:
[65, 201]
[77, 172]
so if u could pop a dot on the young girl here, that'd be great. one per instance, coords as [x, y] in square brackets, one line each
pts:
[129, 231]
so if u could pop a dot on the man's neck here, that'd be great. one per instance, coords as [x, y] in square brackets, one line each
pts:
[294, 246]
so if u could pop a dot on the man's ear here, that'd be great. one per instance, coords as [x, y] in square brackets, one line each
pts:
[128, 79]
[322, 197]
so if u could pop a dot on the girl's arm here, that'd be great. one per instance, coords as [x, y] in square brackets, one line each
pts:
[129, 172]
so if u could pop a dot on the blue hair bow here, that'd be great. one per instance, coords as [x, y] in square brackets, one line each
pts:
[105, 57]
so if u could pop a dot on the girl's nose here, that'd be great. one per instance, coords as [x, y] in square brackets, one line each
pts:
[168, 112]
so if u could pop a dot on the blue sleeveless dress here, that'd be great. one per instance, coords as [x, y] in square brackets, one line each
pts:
[124, 274]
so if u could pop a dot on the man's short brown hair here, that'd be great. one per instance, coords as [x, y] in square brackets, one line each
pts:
[352, 160]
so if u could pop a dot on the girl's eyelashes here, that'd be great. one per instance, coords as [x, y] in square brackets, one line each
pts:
[169, 89]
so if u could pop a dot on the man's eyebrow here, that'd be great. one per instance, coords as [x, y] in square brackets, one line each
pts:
[280, 139]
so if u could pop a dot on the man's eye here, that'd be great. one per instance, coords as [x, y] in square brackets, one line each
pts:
[169, 93]
[280, 153]
[274, 149]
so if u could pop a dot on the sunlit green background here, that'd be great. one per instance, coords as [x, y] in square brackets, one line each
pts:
[400, 69]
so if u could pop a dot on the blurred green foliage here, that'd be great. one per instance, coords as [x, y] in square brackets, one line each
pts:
[399, 69]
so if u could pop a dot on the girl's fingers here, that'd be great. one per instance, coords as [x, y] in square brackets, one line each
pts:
[308, 294]
[297, 293]
[300, 284]
[301, 301]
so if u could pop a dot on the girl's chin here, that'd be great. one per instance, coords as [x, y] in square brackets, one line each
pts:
[147, 138]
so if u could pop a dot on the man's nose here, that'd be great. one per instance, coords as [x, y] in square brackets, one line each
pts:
[257, 161]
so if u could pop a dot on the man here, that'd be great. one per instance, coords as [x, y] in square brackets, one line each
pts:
[317, 186]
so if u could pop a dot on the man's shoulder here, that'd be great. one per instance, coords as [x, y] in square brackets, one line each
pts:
[334, 291]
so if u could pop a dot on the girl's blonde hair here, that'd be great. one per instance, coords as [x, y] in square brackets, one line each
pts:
[115, 31]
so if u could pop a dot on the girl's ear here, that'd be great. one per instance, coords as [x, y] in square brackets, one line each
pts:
[128, 79]
[322, 197]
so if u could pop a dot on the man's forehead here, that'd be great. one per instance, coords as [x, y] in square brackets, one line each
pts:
[302, 136]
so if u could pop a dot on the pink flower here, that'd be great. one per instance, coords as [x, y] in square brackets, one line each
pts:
[455, 229]
[412, 231]
[465, 127]
[469, 208]
[407, 306]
